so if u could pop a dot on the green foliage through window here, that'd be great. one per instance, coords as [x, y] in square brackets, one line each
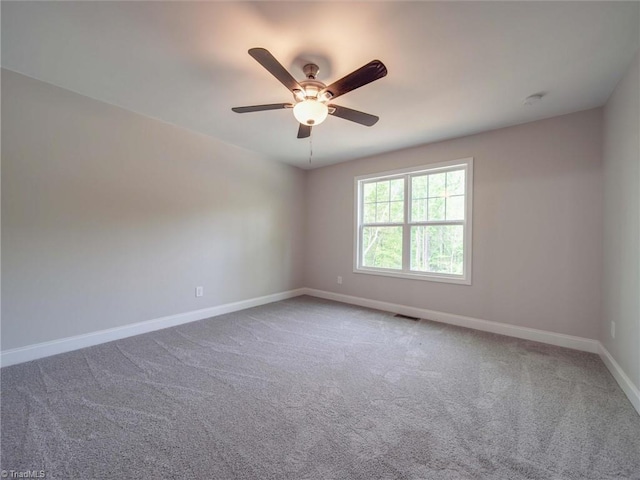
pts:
[382, 247]
[437, 249]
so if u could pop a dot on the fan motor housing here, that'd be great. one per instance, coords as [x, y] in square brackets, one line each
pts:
[311, 88]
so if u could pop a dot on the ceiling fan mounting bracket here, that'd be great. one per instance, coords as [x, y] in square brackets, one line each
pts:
[310, 71]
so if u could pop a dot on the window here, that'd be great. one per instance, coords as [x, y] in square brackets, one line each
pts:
[416, 223]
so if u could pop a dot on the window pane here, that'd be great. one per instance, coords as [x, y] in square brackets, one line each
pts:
[382, 212]
[419, 210]
[382, 247]
[455, 207]
[397, 189]
[397, 212]
[382, 191]
[437, 184]
[455, 182]
[436, 208]
[369, 193]
[369, 213]
[419, 187]
[418, 194]
[437, 249]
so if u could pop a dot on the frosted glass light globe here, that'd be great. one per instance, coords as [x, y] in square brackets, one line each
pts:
[310, 112]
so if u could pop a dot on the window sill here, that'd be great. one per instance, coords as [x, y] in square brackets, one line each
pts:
[429, 277]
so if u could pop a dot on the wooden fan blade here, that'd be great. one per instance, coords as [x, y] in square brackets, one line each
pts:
[368, 73]
[260, 108]
[353, 115]
[268, 61]
[304, 131]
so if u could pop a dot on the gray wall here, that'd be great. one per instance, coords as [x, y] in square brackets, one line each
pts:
[537, 227]
[621, 160]
[110, 218]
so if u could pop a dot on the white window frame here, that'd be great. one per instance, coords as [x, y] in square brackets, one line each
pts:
[407, 173]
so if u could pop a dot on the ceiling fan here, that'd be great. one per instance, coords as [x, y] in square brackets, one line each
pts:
[311, 97]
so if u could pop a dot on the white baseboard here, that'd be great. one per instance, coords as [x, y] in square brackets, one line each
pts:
[45, 349]
[551, 338]
[630, 390]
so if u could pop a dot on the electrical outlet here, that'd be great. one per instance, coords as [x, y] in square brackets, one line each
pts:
[199, 291]
[339, 280]
[613, 329]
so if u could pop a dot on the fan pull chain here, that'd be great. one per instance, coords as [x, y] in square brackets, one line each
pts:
[310, 146]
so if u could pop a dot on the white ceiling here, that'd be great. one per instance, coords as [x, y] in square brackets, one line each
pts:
[455, 68]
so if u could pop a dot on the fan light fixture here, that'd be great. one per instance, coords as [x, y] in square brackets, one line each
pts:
[310, 112]
[311, 98]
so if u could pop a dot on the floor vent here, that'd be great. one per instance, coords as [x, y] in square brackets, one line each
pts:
[399, 315]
